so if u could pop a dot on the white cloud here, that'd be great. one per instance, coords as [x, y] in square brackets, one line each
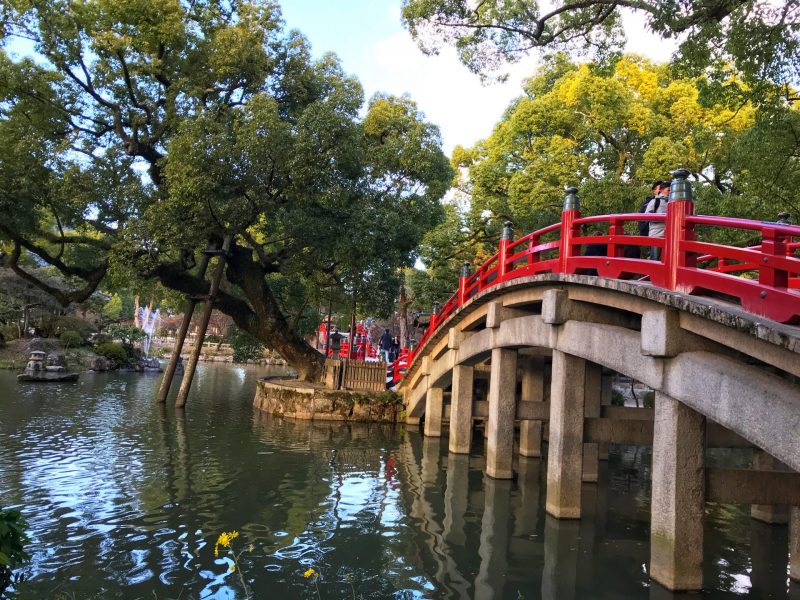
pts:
[454, 98]
[445, 90]
[643, 41]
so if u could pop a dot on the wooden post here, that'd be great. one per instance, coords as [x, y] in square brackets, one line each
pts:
[188, 311]
[188, 374]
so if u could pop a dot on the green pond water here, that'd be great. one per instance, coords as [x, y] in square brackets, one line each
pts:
[126, 499]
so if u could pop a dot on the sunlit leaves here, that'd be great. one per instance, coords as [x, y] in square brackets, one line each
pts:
[760, 38]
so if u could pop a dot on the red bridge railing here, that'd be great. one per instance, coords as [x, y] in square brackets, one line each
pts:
[764, 278]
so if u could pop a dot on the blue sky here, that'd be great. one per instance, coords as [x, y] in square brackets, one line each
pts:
[347, 27]
[370, 40]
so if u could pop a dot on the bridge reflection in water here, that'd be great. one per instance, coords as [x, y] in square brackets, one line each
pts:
[483, 538]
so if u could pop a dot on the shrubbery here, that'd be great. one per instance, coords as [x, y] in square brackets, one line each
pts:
[10, 332]
[127, 334]
[54, 326]
[245, 346]
[71, 339]
[113, 352]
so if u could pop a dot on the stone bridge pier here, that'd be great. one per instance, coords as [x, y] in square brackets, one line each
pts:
[533, 360]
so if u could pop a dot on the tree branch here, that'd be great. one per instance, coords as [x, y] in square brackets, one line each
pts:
[65, 298]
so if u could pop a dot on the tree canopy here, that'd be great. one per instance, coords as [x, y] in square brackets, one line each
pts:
[139, 131]
[611, 130]
[761, 40]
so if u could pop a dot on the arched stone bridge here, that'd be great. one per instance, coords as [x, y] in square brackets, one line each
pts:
[527, 344]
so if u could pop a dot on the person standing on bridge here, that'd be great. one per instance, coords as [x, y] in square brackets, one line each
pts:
[644, 226]
[658, 206]
[336, 342]
[385, 344]
[395, 348]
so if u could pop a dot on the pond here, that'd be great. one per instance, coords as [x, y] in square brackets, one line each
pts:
[126, 499]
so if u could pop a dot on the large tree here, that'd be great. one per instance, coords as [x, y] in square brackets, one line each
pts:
[139, 131]
[760, 39]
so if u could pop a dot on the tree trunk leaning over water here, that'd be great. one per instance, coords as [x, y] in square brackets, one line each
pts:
[257, 313]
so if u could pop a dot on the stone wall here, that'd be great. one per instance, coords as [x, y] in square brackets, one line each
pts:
[299, 400]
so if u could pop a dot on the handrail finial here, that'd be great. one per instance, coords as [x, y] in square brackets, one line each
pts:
[571, 200]
[681, 188]
[466, 269]
[508, 231]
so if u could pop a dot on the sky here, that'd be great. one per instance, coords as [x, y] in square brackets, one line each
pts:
[372, 44]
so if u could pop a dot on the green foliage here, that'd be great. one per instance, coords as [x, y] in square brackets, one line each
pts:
[387, 398]
[760, 40]
[113, 308]
[433, 285]
[56, 325]
[128, 334]
[245, 346]
[71, 339]
[9, 332]
[12, 546]
[241, 132]
[114, 352]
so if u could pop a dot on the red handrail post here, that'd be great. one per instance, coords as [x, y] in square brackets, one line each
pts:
[533, 257]
[502, 253]
[773, 243]
[466, 272]
[616, 229]
[678, 230]
[569, 230]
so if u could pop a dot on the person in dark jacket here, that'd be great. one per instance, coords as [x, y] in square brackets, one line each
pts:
[336, 342]
[385, 344]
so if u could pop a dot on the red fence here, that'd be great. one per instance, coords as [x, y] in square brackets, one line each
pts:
[764, 278]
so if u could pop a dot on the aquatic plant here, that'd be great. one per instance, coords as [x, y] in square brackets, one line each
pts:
[12, 548]
[314, 577]
[225, 541]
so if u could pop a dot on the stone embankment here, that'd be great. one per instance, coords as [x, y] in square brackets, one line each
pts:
[301, 400]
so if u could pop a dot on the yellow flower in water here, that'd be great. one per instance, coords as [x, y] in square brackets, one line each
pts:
[224, 540]
[250, 548]
[309, 573]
